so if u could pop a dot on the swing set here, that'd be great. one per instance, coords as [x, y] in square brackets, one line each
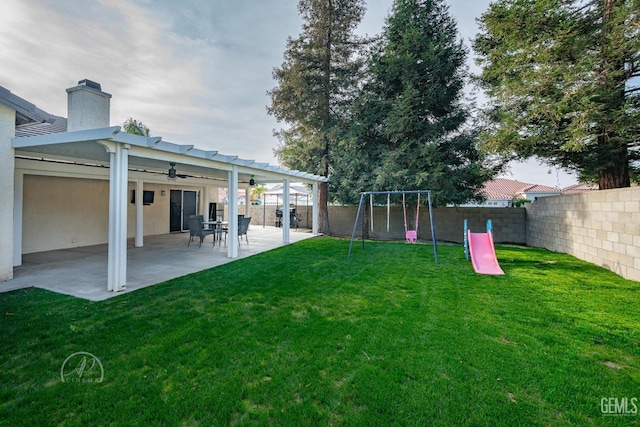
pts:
[411, 235]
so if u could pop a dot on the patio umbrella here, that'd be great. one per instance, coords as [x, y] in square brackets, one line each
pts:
[295, 190]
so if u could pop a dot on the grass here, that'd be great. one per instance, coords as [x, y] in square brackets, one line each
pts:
[302, 336]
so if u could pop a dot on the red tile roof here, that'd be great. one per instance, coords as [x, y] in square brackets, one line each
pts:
[501, 188]
[579, 188]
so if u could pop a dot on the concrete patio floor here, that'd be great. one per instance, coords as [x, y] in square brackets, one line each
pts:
[82, 272]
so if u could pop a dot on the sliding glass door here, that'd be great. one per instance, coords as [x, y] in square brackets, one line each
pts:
[182, 204]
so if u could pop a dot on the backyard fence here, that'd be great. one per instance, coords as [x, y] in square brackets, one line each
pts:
[509, 224]
[601, 227]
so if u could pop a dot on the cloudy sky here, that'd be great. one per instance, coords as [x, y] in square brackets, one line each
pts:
[194, 71]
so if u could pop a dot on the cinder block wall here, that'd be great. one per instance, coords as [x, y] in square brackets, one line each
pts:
[508, 223]
[601, 227]
[261, 214]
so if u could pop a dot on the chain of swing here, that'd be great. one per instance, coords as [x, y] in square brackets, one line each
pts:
[411, 234]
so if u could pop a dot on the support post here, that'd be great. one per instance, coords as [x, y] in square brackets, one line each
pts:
[232, 243]
[205, 203]
[18, 203]
[433, 229]
[315, 211]
[466, 239]
[118, 175]
[247, 202]
[355, 224]
[286, 214]
[139, 214]
[8, 246]
[364, 220]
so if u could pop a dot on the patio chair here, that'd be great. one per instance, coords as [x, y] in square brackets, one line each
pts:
[193, 233]
[243, 227]
[201, 218]
[196, 230]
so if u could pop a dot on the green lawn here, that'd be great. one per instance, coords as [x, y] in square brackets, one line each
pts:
[303, 336]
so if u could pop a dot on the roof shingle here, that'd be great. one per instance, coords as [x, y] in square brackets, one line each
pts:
[58, 125]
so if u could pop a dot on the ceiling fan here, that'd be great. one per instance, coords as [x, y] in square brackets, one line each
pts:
[172, 174]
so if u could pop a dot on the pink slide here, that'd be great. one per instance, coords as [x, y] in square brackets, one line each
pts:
[483, 254]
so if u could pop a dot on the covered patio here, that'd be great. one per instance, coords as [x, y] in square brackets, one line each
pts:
[81, 272]
[82, 186]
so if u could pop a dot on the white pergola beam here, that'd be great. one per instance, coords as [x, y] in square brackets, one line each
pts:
[66, 137]
[153, 141]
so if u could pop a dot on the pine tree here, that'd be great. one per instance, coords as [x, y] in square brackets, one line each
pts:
[559, 73]
[412, 120]
[316, 83]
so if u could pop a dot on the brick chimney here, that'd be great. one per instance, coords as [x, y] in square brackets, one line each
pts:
[88, 107]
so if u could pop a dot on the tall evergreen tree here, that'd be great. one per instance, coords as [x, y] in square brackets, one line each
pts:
[316, 83]
[411, 122]
[559, 75]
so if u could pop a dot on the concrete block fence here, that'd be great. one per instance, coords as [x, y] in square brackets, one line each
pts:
[601, 227]
[508, 224]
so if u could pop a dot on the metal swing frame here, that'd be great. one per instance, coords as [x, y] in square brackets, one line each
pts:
[363, 195]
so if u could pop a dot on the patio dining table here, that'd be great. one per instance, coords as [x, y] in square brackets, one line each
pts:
[218, 226]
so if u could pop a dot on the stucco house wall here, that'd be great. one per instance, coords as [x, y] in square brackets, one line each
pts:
[7, 162]
[65, 212]
[156, 215]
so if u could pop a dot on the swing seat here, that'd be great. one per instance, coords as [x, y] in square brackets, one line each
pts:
[412, 236]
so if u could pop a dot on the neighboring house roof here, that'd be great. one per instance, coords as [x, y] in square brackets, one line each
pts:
[26, 112]
[56, 125]
[501, 188]
[581, 187]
